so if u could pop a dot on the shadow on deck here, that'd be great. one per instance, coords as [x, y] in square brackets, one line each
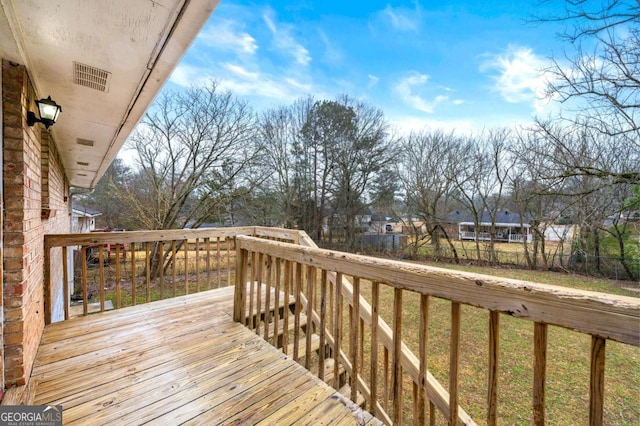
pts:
[176, 361]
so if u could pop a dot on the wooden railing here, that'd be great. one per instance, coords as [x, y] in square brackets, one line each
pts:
[323, 308]
[118, 269]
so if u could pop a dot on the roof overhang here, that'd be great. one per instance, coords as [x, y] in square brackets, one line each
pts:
[502, 224]
[129, 48]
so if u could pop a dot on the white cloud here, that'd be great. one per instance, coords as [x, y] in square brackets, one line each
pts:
[332, 54]
[519, 76]
[407, 87]
[263, 89]
[284, 41]
[400, 18]
[373, 80]
[228, 35]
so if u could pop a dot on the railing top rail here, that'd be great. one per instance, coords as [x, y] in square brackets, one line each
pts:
[95, 238]
[599, 314]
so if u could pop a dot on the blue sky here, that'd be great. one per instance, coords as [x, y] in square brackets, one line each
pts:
[454, 65]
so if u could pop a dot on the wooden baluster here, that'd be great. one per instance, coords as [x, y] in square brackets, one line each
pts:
[387, 395]
[454, 362]
[288, 274]
[65, 281]
[354, 339]
[323, 320]
[198, 265]
[252, 291]
[267, 302]
[85, 302]
[133, 274]
[331, 298]
[311, 288]
[397, 356]
[118, 276]
[432, 414]
[259, 292]
[596, 387]
[494, 355]
[228, 260]
[361, 348]
[423, 339]
[173, 267]
[337, 333]
[147, 263]
[298, 309]
[101, 276]
[186, 266]
[218, 265]
[208, 263]
[276, 303]
[539, 371]
[373, 374]
[160, 257]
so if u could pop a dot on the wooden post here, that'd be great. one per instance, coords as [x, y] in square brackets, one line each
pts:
[147, 267]
[258, 284]
[133, 274]
[101, 273]
[65, 281]
[596, 388]
[323, 320]
[354, 339]
[311, 289]
[85, 302]
[160, 254]
[47, 284]
[397, 356]
[239, 309]
[373, 375]
[423, 341]
[118, 275]
[494, 350]
[539, 371]
[454, 362]
[267, 301]
[337, 331]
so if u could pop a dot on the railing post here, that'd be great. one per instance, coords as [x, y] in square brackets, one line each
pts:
[596, 388]
[241, 285]
[539, 371]
[47, 283]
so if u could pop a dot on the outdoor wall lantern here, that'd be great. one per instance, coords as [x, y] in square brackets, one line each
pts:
[49, 111]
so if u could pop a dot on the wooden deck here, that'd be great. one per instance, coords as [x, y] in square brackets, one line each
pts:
[178, 361]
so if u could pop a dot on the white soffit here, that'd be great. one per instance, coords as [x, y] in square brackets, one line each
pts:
[102, 61]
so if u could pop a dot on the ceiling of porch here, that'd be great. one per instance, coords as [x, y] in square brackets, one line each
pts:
[102, 61]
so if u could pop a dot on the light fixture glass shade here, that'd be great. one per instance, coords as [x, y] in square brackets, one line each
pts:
[49, 110]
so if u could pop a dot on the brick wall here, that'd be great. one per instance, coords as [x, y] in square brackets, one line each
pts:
[24, 226]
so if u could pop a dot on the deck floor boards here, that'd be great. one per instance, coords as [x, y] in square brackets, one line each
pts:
[178, 361]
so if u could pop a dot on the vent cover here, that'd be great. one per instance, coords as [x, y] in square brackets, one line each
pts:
[85, 142]
[88, 76]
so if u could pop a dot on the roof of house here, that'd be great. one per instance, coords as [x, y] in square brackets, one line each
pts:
[503, 217]
[81, 211]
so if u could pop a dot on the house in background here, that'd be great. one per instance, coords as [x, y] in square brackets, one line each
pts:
[103, 63]
[506, 226]
[83, 219]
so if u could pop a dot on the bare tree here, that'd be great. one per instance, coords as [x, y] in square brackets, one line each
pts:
[428, 166]
[601, 84]
[189, 149]
[280, 129]
[363, 149]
